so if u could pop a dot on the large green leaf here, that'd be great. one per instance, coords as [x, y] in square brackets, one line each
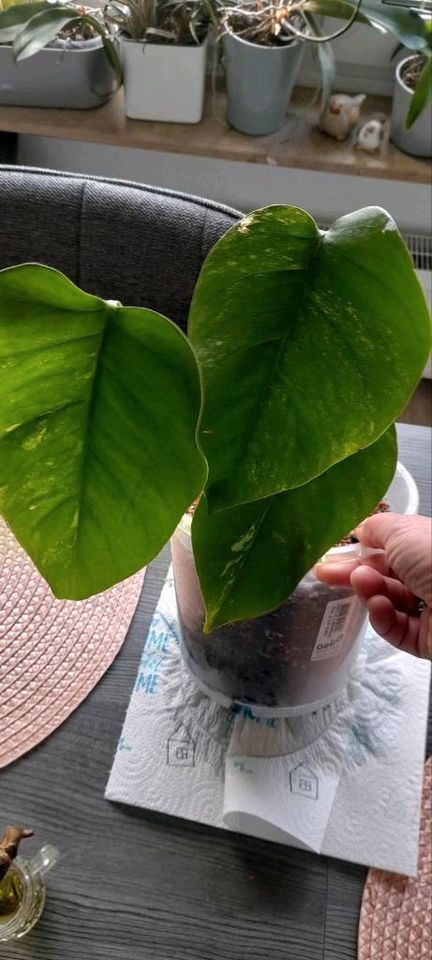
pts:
[341, 9]
[12, 19]
[250, 558]
[98, 411]
[111, 51]
[328, 72]
[406, 25]
[326, 61]
[310, 344]
[41, 29]
[422, 94]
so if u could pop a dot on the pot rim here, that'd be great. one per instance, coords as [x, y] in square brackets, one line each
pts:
[165, 46]
[258, 46]
[398, 77]
[74, 46]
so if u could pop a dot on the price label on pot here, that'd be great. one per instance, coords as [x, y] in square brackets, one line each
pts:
[331, 633]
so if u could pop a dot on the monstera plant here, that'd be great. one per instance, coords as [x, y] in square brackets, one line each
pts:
[278, 413]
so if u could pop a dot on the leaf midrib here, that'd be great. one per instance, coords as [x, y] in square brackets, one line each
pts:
[89, 423]
[250, 430]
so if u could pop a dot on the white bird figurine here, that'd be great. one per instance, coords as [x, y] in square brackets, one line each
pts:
[341, 114]
[370, 135]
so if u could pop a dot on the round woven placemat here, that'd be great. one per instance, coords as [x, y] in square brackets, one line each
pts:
[52, 652]
[396, 912]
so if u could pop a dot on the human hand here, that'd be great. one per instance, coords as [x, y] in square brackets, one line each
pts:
[396, 582]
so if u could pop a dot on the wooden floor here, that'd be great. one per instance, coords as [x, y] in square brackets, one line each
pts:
[419, 408]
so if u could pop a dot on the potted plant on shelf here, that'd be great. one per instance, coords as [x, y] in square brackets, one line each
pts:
[303, 348]
[263, 46]
[411, 120]
[164, 48]
[54, 54]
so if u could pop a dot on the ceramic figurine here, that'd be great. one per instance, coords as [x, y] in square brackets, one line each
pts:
[370, 135]
[340, 115]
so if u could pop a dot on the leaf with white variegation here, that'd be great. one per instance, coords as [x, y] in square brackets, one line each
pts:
[310, 344]
[98, 414]
[250, 558]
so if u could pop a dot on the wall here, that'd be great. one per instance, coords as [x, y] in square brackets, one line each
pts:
[240, 185]
[363, 60]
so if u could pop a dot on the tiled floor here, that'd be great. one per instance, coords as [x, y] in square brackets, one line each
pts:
[419, 408]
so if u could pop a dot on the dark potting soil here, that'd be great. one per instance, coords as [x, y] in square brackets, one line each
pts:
[267, 661]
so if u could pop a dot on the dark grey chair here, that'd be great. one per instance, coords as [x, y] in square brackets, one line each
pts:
[119, 240]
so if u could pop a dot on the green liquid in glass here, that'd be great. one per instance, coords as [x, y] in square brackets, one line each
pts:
[11, 894]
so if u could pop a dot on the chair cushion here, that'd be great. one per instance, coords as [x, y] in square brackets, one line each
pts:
[140, 245]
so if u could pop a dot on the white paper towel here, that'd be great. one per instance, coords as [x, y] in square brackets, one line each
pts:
[344, 781]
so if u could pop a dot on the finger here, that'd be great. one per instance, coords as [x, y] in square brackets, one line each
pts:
[399, 629]
[368, 582]
[335, 574]
[375, 531]
[339, 574]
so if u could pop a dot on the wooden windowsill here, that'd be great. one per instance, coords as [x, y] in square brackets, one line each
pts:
[298, 144]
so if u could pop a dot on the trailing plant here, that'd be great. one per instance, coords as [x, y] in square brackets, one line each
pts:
[30, 26]
[304, 346]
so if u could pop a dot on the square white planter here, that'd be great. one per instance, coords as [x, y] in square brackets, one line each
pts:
[163, 82]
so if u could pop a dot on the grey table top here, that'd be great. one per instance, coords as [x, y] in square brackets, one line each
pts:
[139, 886]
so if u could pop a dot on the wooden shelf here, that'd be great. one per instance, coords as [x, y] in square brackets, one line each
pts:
[298, 144]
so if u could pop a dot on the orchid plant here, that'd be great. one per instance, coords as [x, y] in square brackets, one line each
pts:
[30, 26]
[283, 21]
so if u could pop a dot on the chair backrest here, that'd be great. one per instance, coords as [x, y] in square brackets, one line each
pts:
[140, 245]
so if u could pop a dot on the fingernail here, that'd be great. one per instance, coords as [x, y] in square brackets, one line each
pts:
[370, 551]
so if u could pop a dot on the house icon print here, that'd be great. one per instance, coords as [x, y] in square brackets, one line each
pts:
[181, 748]
[304, 781]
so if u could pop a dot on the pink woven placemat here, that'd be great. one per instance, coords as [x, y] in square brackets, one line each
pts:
[396, 912]
[52, 652]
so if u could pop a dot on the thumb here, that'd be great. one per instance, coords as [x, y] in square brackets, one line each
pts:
[377, 530]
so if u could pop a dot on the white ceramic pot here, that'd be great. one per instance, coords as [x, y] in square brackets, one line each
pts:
[163, 81]
[76, 76]
[418, 140]
[291, 661]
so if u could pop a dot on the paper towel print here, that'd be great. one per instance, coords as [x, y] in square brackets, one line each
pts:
[181, 748]
[344, 781]
[304, 781]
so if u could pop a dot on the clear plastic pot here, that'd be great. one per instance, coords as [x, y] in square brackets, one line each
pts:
[290, 661]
